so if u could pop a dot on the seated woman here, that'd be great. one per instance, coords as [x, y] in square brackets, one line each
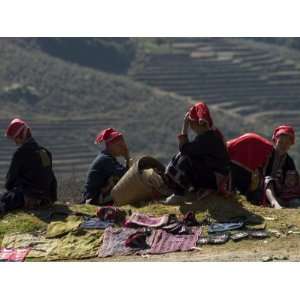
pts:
[202, 163]
[105, 170]
[286, 194]
[30, 181]
[254, 157]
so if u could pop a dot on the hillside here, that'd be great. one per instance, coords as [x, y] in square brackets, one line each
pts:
[254, 80]
[112, 55]
[68, 104]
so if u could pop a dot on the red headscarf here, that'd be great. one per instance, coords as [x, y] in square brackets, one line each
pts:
[284, 129]
[107, 136]
[249, 151]
[200, 111]
[17, 128]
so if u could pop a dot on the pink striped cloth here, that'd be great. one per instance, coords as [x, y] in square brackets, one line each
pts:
[138, 219]
[164, 242]
[114, 242]
[13, 254]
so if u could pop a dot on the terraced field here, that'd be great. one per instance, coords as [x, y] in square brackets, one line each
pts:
[254, 80]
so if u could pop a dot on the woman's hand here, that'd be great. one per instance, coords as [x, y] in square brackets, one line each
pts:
[185, 126]
[276, 205]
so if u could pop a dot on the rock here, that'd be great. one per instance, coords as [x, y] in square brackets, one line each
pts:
[280, 257]
[275, 232]
[267, 258]
[270, 218]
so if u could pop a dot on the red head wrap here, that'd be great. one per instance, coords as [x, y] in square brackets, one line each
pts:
[284, 129]
[199, 112]
[107, 135]
[17, 128]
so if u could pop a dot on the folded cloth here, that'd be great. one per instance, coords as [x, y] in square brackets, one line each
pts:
[112, 214]
[138, 239]
[61, 228]
[95, 223]
[220, 227]
[177, 228]
[164, 242]
[13, 254]
[189, 219]
[139, 219]
[114, 240]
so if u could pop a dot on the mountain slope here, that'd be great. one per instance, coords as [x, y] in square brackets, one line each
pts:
[67, 105]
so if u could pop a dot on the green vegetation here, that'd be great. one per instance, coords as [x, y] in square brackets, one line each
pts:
[112, 55]
[290, 42]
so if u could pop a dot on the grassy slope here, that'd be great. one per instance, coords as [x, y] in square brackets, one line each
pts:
[217, 208]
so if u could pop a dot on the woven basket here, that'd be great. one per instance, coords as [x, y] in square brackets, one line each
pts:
[138, 184]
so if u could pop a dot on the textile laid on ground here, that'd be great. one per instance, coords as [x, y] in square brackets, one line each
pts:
[40, 246]
[239, 236]
[114, 240]
[215, 239]
[60, 228]
[75, 245]
[95, 223]
[220, 227]
[138, 240]
[112, 214]
[158, 242]
[13, 254]
[138, 219]
[258, 234]
[164, 242]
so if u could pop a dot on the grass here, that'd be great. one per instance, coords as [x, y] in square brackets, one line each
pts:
[214, 207]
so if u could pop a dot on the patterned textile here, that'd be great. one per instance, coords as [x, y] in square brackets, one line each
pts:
[114, 242]
[95, 223]
[164, 242]
[13, 254]
[138, 219]
[178, 171]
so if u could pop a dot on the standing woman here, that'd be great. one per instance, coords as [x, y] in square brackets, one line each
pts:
[256, 163]
[202, 163]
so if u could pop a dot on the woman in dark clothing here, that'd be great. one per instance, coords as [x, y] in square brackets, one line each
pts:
[30, 180]
[256, 161]
[202, 163]
[105, 170]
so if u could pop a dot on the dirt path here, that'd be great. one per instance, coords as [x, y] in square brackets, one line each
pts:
[272, 249]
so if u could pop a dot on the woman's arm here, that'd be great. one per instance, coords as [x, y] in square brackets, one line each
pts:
[271, 196]
[183, 136]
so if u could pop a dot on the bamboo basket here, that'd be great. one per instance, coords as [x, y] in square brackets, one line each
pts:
[139, 182]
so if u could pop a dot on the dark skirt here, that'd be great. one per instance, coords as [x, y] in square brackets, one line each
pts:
[182, 174]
